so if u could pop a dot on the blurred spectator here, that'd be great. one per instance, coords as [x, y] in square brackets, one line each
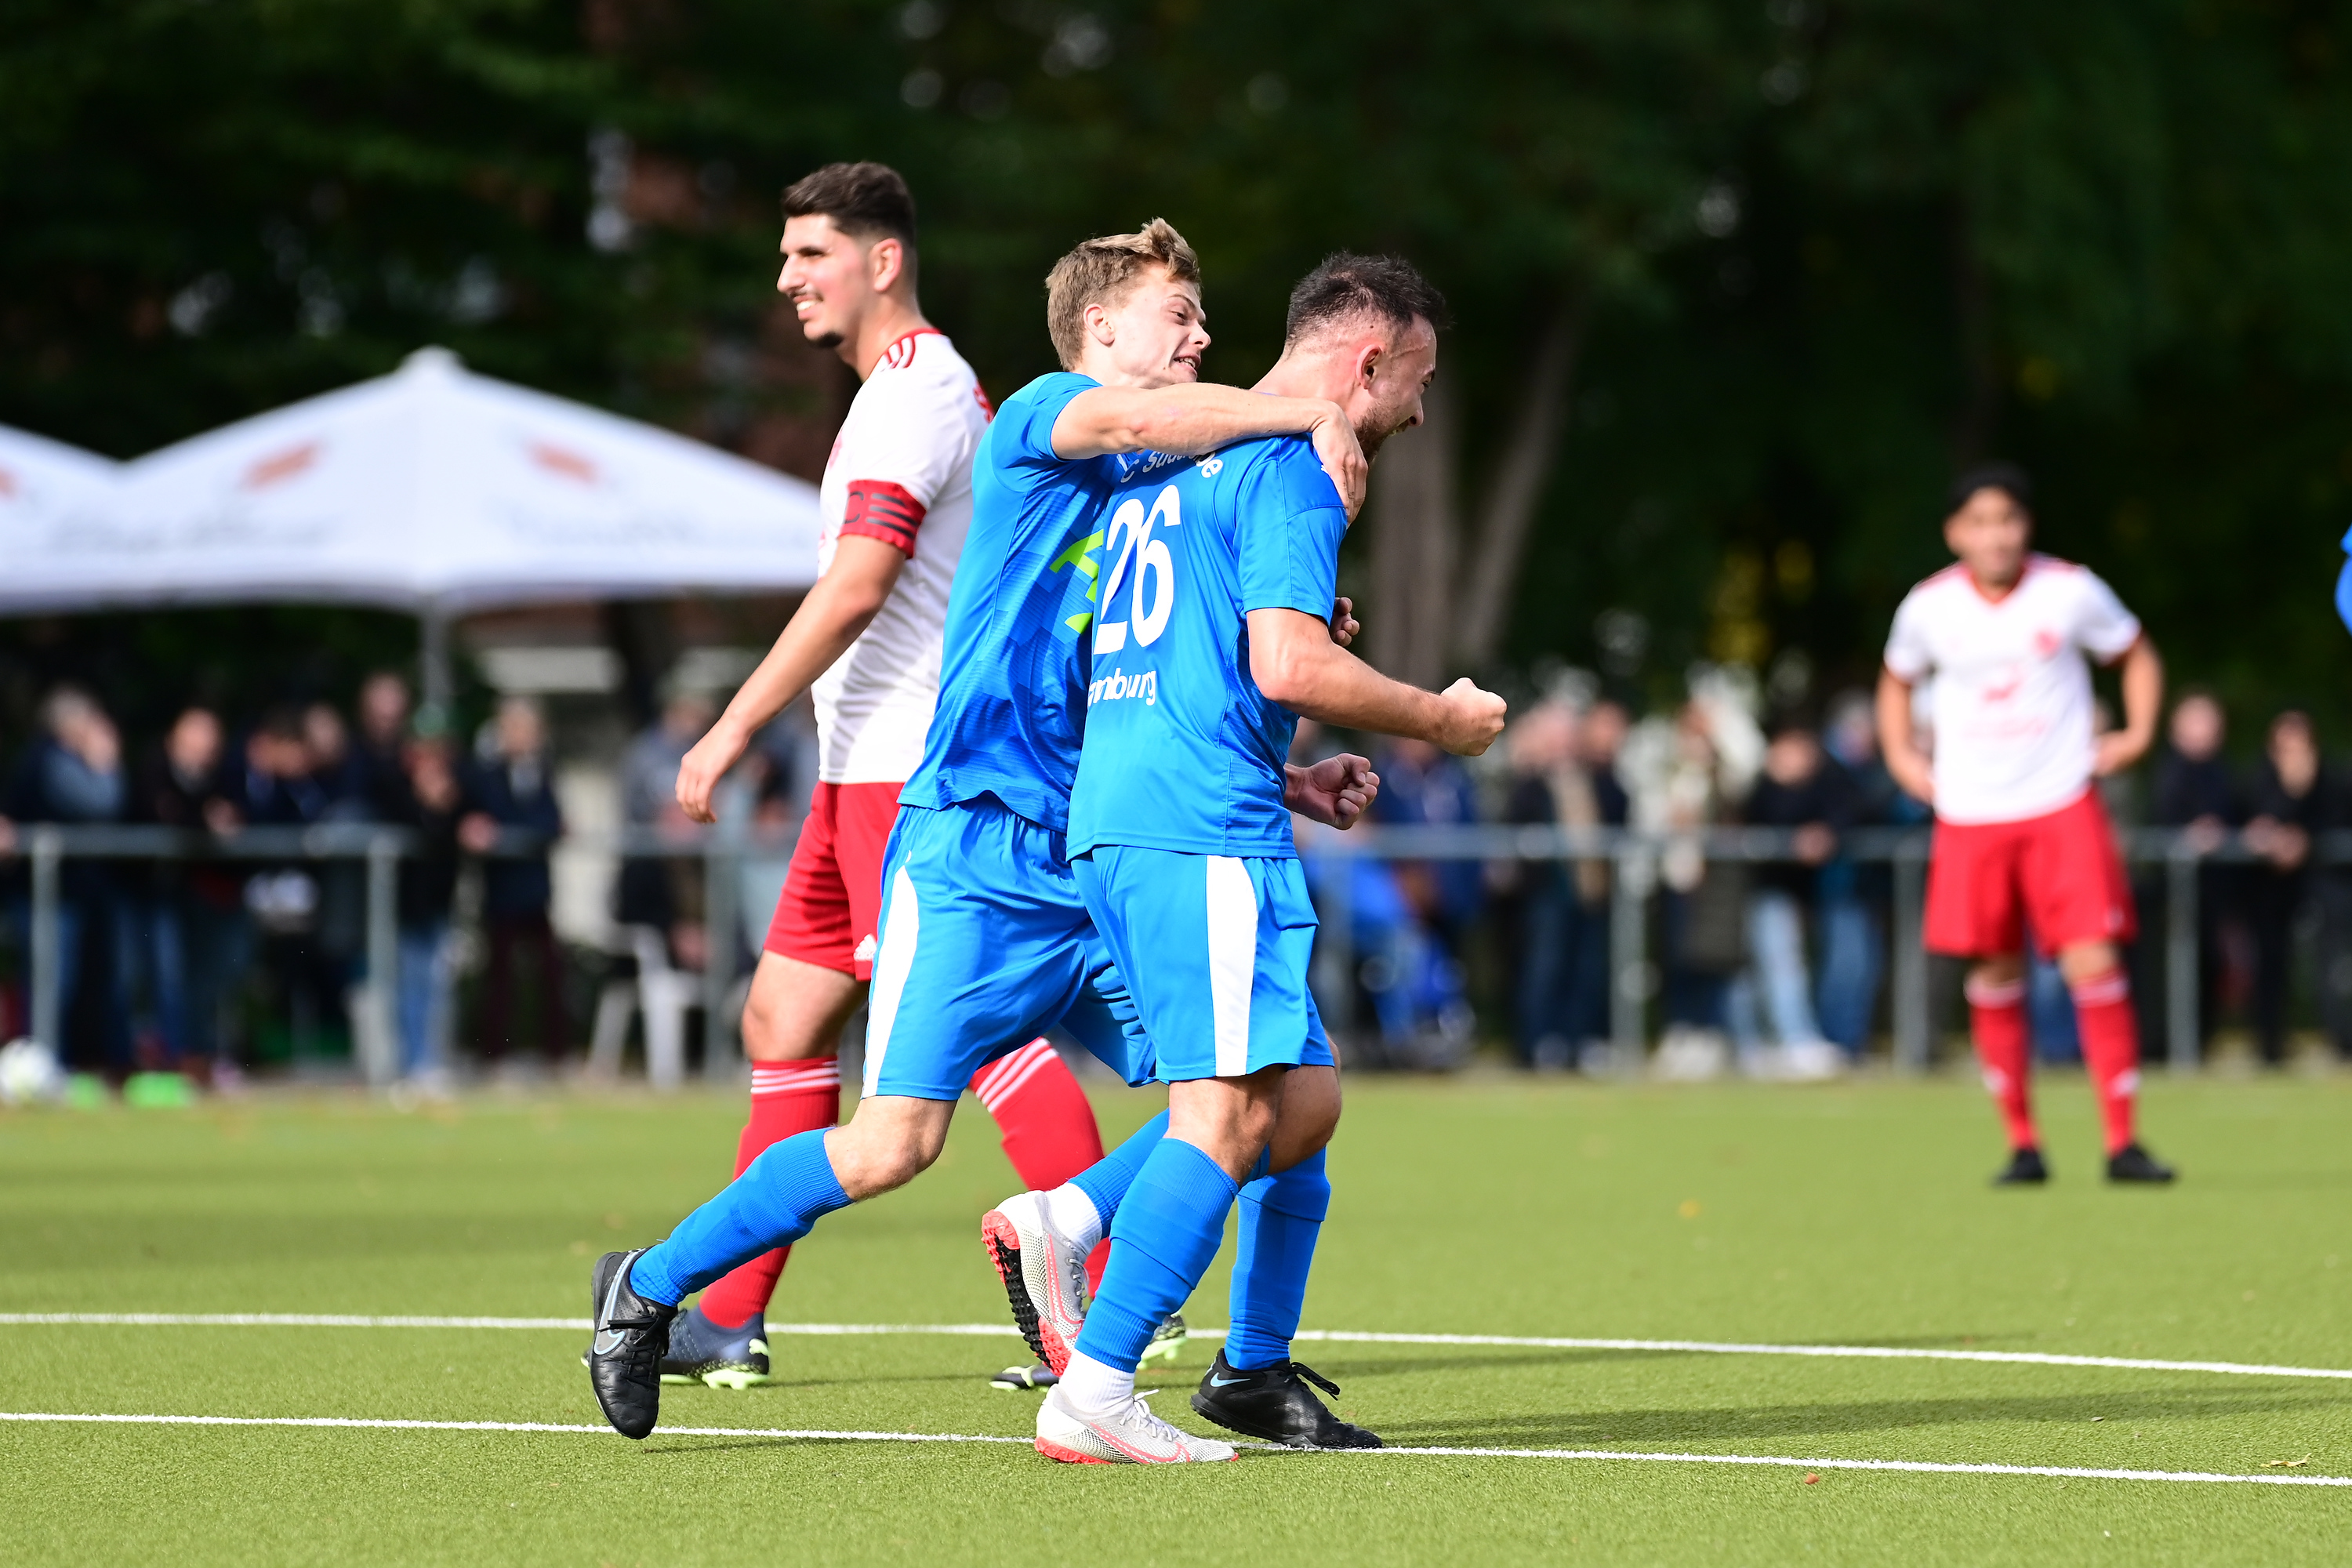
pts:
[191, 927]
[513, 790]
[2194, 790]
[1853, 896]
[1421, 785]
[1562, 994]
[1684, 777]
[664, 893]
[73, 774]
[380, 767]
[326, 746]
[1803, 791]
[430, 803]
[278, 788]
[2287, 806]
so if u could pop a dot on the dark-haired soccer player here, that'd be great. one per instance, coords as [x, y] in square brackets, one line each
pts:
[2022, 845]
[1208, 644]
[985, 940]
[865, 644]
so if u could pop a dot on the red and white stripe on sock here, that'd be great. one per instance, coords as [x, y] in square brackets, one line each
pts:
[787, 1098]
[1997, 1024]
[1047, 1124]
[2110, 1031]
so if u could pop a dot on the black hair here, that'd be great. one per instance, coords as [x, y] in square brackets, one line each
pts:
[1348, 285]
[1994, 474]
[863, 199]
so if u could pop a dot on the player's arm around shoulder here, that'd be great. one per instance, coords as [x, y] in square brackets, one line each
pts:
[1204, 418]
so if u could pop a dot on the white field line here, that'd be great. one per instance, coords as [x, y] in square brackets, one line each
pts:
[1330, 1336]
[1915, 1467]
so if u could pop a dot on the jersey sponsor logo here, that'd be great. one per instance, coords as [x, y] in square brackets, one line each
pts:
[1119, 686]
[1081, 554]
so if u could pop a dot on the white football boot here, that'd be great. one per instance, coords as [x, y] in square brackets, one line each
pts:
[1130, 1434]
[1044, 1277]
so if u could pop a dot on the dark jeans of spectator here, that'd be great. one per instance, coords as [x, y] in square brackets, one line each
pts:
[2272, 902]
[184, 959]
[1563, 994]
[512, 939]
[2334, 981]
[1853, 959]
[1694, 990]
[90, 993]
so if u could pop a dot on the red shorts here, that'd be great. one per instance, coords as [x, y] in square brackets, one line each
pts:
[2059, 874]
[833, 891]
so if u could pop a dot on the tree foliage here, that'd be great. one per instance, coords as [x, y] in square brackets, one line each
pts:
[1808, 255]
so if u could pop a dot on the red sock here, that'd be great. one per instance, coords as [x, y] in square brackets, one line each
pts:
[1047, 1124]
[1997, 1020]
[2103, 1012]
[787, 1097]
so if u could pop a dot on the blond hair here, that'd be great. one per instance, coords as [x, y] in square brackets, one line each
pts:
[1101, 271]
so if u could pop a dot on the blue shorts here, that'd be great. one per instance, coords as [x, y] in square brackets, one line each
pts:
[984, 944]
[1215, 949]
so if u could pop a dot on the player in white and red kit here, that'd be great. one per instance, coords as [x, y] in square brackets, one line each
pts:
[2023, 850]
[866, 645]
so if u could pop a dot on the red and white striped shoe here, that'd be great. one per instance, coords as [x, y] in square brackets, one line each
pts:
[1130, 1435]
[1044, 1277]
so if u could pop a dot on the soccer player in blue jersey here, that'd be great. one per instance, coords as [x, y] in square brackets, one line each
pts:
[983, 939]
[1208, 644]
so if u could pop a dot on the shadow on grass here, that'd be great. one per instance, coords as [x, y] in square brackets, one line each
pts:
[1584, 1429]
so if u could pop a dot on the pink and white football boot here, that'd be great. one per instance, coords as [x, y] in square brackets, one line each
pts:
[1044, 1277]
[1127, 1435]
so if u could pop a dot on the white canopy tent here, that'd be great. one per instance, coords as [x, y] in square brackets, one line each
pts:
[46, 487]
[433, 491]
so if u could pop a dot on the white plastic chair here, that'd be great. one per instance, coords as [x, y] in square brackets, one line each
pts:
[664, 992]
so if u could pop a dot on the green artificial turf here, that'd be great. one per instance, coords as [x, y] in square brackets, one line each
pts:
[1839, 1216]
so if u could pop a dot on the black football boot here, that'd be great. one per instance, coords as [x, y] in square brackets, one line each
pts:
[1273, 1403]
[624, 1358]
[2025, 1170]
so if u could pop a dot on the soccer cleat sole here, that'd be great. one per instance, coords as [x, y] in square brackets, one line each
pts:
[1166, 1350]
[1062, 1456]
[1004, 1244]
[733, 1377]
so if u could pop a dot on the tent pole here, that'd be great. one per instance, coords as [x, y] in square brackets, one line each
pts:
[433, 657]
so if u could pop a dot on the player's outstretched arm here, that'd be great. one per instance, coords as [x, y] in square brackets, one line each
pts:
[1296, 663]
[1204, 418]
[2143, 697]
[835, 612]
[1896, 742]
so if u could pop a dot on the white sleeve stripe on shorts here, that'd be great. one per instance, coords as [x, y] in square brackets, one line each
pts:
[1232, 960]
[893, 959]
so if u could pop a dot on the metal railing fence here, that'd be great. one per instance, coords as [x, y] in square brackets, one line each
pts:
[1633, 859]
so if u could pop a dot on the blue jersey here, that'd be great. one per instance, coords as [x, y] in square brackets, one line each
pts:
[1012, 675]
[1183, 752]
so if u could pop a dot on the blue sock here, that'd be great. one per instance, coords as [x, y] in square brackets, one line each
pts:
[776, 1200]
[1281, 1218]
[1106, 1180]
[1167, 1232]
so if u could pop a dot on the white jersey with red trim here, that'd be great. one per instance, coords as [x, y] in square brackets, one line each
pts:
[2011, 702]
[901, 472]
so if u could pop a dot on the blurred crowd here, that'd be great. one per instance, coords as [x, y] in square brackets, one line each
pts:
[1779, 967]
[1776, 968]
[163, 962]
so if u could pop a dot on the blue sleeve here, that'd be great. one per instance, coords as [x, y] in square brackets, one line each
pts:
[2343, 594]
[1024, 426]
[1286, 530]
